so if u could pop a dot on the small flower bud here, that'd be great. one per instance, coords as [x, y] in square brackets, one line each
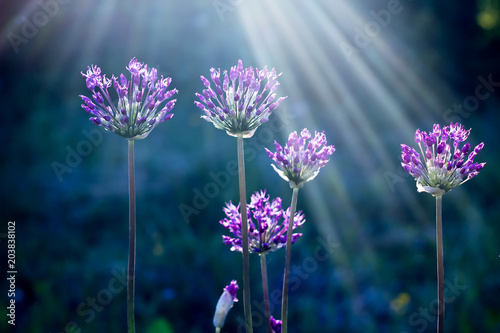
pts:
[225, 303]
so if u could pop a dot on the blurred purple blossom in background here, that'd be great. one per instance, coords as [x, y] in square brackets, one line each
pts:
[275, 325]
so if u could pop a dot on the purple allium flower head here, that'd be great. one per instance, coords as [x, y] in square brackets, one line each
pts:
[138, 110]
[236, 103]
[445, 165]
[225, 303]
[267, 224]
[300, 160]
[275, 325]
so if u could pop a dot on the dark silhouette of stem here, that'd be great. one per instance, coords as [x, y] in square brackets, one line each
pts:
[265, 289]
[440, 265]
[131, 255]
[244, 235]
[284, 302]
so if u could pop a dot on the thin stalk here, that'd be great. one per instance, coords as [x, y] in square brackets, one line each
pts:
[217, 330]
[244, 235]
[440, 266]
[131, 255]
[265, 289]
[284, 303]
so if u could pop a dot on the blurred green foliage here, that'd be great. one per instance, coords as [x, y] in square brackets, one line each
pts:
[160, 325]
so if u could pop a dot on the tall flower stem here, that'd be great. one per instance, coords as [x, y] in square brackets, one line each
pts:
[244, 235]
[440, 266]
[131, 255]
[284, 302]
[263, 268]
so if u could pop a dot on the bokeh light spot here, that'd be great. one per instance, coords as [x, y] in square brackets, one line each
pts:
[487, 19]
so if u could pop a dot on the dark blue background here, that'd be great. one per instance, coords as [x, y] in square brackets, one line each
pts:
[366, 78]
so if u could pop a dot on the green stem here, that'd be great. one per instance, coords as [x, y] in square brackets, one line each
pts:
[284, 303]
[244, 235]
[217, 330]
[131, 255]
[265, 289]
[440, 266]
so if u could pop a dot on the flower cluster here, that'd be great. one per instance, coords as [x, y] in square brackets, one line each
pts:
[236, 103]
[267, 224]
[446, 165]
[225, 303]
[299, 161]
[137, 111]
